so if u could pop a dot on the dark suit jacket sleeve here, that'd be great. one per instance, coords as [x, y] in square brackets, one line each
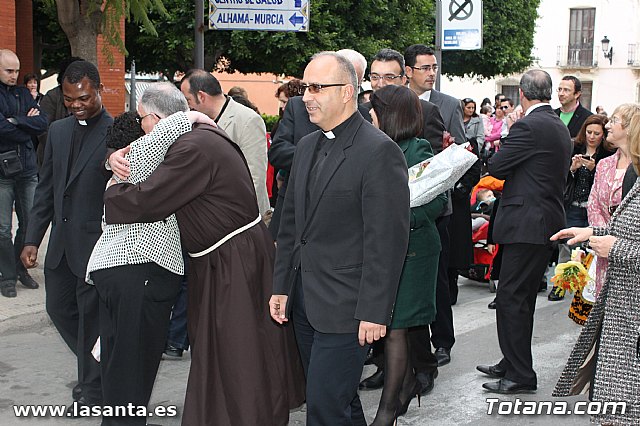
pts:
[385, 202]
[456, 126]
[286, 237]
[42, 211]
[433, 126]
[283, 145]
[518, 148]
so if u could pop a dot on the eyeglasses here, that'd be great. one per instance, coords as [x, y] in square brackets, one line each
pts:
[615, 120]
[139, 119]
[387, 77]
[315, 88]
[426, 68]
[504, 107]
[468, 100]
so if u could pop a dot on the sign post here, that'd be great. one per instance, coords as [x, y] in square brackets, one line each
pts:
[259, 15]
[461, 24]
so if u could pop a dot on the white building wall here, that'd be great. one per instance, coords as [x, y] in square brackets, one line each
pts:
[613, 84]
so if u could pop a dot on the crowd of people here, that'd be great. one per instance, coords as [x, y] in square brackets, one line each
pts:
[164, 213]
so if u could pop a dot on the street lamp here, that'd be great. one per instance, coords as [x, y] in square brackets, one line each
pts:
[608, 52]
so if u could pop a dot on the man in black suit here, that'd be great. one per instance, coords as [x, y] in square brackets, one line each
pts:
[422, 67]
[571, 112]
[294, 125]
[69, 196]
[342, 241]
[534, 162]
[387, 67]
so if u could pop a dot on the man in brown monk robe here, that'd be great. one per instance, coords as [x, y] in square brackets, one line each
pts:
[245, 369]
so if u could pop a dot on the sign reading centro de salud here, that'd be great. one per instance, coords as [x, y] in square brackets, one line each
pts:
[263, 15]
[461, 24]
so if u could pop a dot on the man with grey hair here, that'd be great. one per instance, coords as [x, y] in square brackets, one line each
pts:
[137, 268]
[342, 241]
[358, 61]
[237, 355]
[534, 162]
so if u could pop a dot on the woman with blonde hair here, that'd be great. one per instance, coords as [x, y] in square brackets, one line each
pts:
[606, 358]
[606, 192]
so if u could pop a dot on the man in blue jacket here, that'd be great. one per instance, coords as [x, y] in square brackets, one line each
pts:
[20, 119]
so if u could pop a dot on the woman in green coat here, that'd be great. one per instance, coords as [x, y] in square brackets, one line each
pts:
[397, 112]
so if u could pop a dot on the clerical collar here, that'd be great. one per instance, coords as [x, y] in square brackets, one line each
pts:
[93, 120]
[339, 129]
[226, 102]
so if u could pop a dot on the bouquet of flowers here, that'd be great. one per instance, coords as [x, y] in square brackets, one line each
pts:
[439, 173]
[571, 275]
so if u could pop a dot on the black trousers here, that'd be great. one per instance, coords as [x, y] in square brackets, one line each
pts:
[442, 334]
[523, 266]
[72, 305]
[333, 366]
[135, 306]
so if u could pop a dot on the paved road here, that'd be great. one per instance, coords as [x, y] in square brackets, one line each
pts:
[37, 368]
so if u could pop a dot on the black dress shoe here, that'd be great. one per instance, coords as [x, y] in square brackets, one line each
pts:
[506, 386]
[556, 294]
[8, 289]
[492, 370]
[27, 280]
[427, 381]
[76, 392]
[81, 408]
[369, 359]
[173, 351]
[443, 355]
[492, 304]
[375, 381]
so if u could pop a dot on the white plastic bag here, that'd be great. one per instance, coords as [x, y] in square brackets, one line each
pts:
[441, 173]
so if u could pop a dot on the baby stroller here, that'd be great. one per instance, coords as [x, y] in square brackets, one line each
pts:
[480, 269]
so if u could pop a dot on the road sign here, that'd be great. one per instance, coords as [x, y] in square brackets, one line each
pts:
[262, 15]
[461, 24]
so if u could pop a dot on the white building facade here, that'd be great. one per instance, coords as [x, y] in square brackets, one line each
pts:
[568, 41]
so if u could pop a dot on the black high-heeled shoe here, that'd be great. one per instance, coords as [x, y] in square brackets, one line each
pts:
[403, 406]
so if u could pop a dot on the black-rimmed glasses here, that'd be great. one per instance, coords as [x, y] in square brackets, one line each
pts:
[387, 77]
[139, 119]
[426, 68]
[316, 88]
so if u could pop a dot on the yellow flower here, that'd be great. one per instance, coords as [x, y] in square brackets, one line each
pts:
[571, 275]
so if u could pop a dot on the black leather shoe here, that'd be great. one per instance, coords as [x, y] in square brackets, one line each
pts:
[556, 294]
[76, 392]
[27, 280]
[506, 386]
[427, 381]
[172, 351]
[375, 381]
[8, 289]
[369, 359]
[443, 355]
[492, 370]
[492, 304]
[81, 408]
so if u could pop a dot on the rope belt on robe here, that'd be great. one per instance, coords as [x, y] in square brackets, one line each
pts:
[226, 238]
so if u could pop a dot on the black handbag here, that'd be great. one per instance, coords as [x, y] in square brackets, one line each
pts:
[10, 164]
[569, 190]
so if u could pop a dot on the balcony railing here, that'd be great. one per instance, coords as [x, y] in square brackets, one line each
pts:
[633, 57]
[576, 57]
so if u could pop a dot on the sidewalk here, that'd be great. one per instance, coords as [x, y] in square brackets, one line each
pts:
[26, 311]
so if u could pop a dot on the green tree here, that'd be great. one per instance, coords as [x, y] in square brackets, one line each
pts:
[366, 26]
[508, 29]
[83, 20]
